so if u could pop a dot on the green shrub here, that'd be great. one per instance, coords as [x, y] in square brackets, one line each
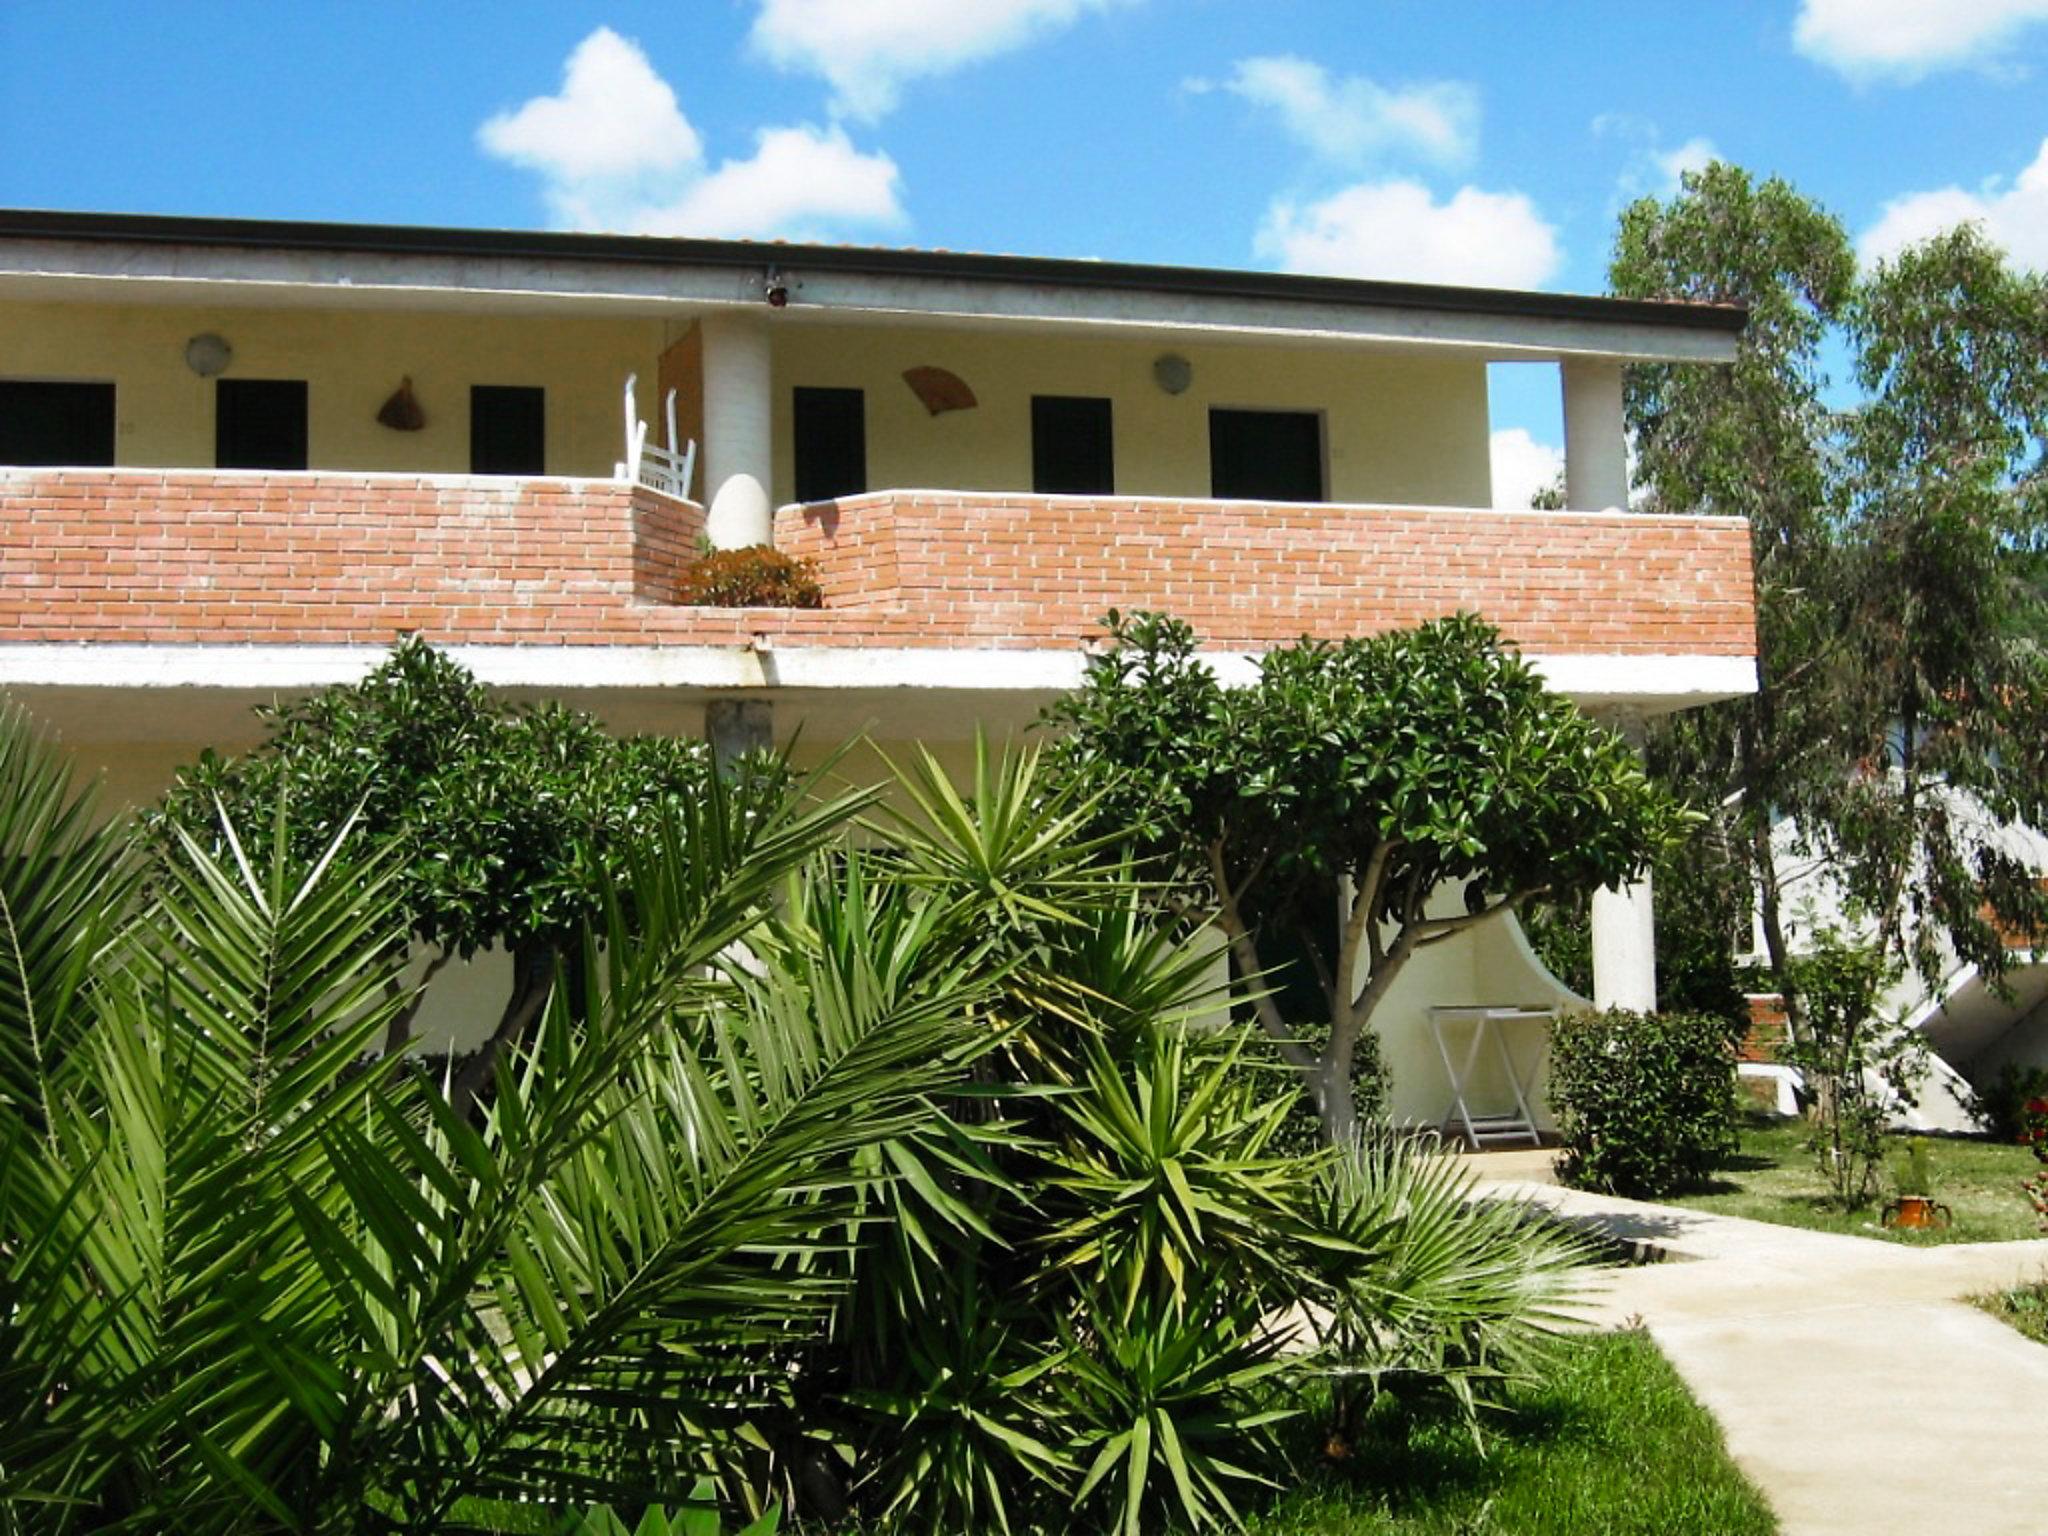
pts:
[753, 577]
[2002, 1107]
[1645, 1102]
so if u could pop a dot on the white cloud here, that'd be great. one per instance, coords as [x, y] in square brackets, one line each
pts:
[1650, 169]
[1695, 154]
[614, 151]
[615, 118]
[1521, 467]
[1906, 39]
[1396, 229]
[799, 182]
[2014, 215]
[1349, 120]
[867, 49]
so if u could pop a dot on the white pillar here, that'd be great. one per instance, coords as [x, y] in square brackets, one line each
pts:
[1625, 931]
[738, 728]
[739, 444]
[1595, 437]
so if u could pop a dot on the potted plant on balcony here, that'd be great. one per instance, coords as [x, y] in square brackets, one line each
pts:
[1915, 1207]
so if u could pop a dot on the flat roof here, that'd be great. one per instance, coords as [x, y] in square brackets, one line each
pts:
[861, 261]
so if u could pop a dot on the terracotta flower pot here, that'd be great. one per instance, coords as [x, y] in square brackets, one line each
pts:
[1917, 1211]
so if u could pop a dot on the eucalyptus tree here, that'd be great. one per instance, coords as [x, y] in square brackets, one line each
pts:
[1896, 727]
[1752, 440]
[1941, 701]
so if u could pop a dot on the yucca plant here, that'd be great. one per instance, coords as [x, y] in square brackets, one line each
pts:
[967, 1419]
[1171, 1402]
[1163, 1177]
[698, 1518]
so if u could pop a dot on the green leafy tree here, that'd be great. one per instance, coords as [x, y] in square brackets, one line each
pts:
[1896, 723]
[1357, 802]
[507, 824]
[1858, 1064]
[1753, 441]
[1941, 701]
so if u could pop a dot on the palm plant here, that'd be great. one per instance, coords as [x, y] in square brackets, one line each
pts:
[1417, 1280]
[257, 1278]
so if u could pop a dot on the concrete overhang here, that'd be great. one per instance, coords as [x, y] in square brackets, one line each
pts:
[130, 693]
[127, 258]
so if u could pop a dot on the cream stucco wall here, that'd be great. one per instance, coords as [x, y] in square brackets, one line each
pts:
[1399, 427]
[352, 360]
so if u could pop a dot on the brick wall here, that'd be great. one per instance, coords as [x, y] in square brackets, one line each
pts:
[1244, 574]
[143, 556]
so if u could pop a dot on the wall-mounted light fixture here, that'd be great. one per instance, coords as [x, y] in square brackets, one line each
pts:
[208, 354]
[1173, 373]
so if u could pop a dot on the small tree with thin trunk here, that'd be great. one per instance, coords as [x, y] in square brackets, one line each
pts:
[1355, 803]
[509, 820]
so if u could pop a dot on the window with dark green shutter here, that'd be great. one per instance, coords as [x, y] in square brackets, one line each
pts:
[56, 423]
[1070, 446]
[259, 423]
[508, 429]
[830, 438]
[1266, 455]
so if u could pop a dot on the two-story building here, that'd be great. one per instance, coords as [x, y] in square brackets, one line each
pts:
[238, 458]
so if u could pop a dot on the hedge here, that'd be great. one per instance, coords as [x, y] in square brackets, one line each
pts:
[1645, 1102]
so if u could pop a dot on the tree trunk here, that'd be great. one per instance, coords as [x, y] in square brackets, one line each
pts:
[1330, 1091]
[398, 1034]
[1770, 908]
[533, 974]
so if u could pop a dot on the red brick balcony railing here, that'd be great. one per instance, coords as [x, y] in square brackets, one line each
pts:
[1022, 569]
[167, 557]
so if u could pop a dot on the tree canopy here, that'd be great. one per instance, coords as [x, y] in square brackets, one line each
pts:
[1897, 722]
[506, 822]
[1331, 803]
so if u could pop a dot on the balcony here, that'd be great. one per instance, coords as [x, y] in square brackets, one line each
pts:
[180, 557]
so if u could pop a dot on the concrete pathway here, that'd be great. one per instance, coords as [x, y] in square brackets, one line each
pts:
[1853, 1387]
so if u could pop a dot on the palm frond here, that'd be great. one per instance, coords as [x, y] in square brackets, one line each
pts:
[67, 881]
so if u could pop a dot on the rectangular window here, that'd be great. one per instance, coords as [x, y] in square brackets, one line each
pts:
[1266, 455]
[259, 423]
[71, 424]
[508, 430]
[829, 433]
[1070, 446]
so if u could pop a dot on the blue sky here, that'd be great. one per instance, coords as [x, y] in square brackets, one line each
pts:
[1490, 143]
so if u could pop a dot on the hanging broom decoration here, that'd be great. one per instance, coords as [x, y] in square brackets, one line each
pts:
[402, 413]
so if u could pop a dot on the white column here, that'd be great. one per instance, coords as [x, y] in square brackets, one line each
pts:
[737, 728]
[739, 445]
[1625, 930]
[1595, 439]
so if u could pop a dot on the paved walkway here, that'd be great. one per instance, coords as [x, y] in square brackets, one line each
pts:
[1853, 1387]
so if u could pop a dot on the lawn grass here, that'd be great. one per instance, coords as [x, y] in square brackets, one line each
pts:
[2025, 1308]
[1611, 1444]
[1774, 1177]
